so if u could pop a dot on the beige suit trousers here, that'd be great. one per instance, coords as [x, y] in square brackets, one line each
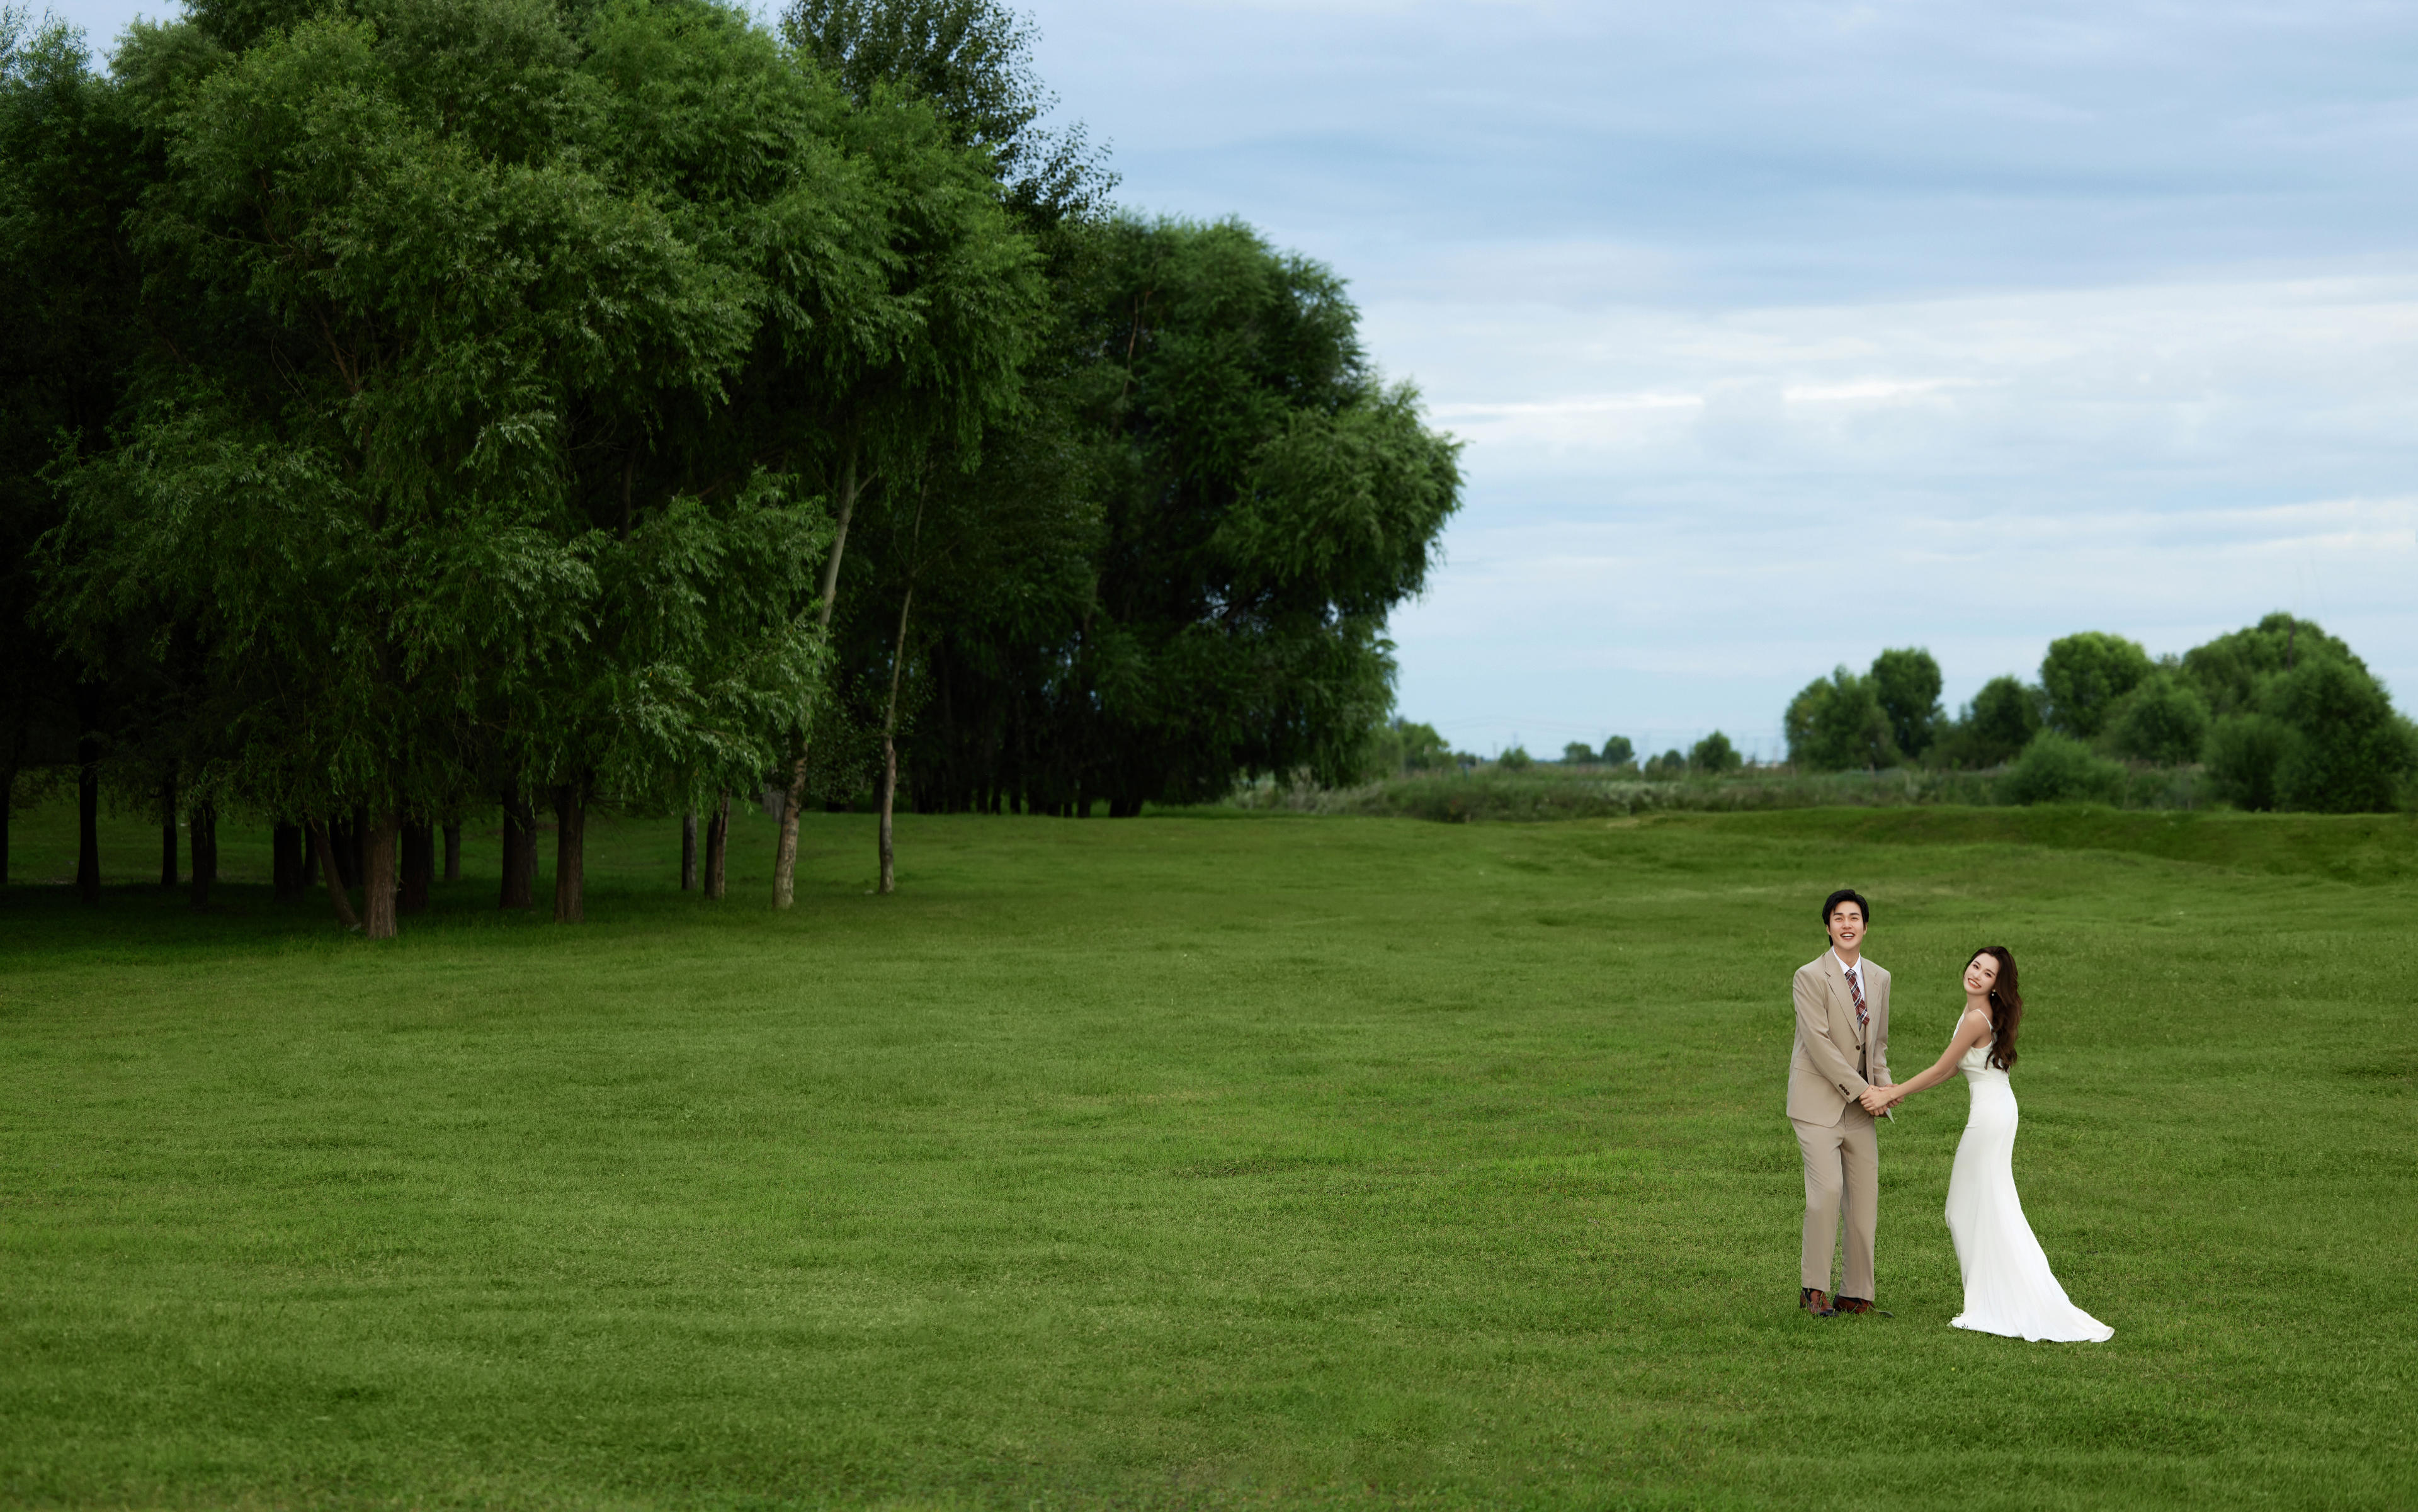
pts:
[1843, 1180]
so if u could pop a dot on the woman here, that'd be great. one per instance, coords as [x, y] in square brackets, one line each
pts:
[2009, 1287]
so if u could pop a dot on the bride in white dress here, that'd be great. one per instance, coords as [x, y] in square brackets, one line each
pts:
[2009, 1287]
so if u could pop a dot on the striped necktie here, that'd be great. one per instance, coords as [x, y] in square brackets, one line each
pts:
[1856, 991]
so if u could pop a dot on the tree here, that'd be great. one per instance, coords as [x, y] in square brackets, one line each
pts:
[1838, 723]
[2227, 670]
[2000, 721]
[1264, 501]
[1516, 759]
[73, 163]
[397, 279]
[2162, 721]
[2085, 675]
[1908, 684]
[1578, 753]
[1617, 751]
[2349, 753]
[1714, 757]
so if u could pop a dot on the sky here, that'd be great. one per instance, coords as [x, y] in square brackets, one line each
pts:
[1777, 334]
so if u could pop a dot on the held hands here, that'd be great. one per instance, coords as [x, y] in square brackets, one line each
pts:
[1876, 1100]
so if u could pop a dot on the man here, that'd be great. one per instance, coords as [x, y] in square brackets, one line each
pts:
[1842, 1053]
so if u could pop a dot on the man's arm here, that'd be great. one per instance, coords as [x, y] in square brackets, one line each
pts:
[1876, 1056]
[1813, 1032]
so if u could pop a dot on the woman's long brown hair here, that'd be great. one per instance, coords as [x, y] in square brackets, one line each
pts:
[2006, 1006]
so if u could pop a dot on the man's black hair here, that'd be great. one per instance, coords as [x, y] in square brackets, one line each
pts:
[1846, 895]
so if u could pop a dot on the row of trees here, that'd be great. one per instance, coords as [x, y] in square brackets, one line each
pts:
[418, 409]
[2282, 715]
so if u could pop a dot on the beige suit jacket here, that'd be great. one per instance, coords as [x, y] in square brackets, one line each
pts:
[1822, 1075]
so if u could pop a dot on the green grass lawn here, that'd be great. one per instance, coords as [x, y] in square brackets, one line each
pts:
[1186, 1162]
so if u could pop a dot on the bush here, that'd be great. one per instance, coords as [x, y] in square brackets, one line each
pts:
[2059, 769]
[1618, 752]
[1577, 755]
[2163, 721]
[1515, 759]
[2242, 753]
[1668, 765]
[1714, 757]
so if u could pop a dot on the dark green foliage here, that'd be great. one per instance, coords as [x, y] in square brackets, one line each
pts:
[1400, 746]
[1714, 757]
[2058, 769]
[1670, 766]
[1838, 723]
[1908, 684]
[2165, 721]
[973, 61]
[2242, 753]
[2085, 676]
[2349, 752]
[1515, 759]
[2000, 721]
[1618, 751]
[73, 162]
[2227, 671]
[1577, 754]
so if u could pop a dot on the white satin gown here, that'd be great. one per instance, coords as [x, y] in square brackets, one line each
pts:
[2009, 1287]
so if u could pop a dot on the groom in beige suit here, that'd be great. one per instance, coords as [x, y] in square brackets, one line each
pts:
[1842, 1050]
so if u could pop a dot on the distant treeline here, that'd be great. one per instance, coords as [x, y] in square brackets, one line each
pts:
[2281, 715]
[413, 409]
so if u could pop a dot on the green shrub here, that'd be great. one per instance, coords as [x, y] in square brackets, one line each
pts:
[2163, 721]
[2241, 755]
[1515, 759]
[1618, 752]
[2059, 769]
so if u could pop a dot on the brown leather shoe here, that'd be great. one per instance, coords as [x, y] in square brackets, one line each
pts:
[1813, 1300]
[1859, 1305]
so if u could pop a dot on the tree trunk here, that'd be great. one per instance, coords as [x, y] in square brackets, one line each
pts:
[326, 849]
[890, 738]
[88, 819]
[377, 877]
[168, 818]
[285, 862]
[717, 849]
[688, 851]
[520, 854]
[570, 844]
[453, 852]
[785, 856]
[418, 866]
[202, 826]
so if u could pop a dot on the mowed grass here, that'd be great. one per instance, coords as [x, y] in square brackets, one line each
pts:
[1178, 1161]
